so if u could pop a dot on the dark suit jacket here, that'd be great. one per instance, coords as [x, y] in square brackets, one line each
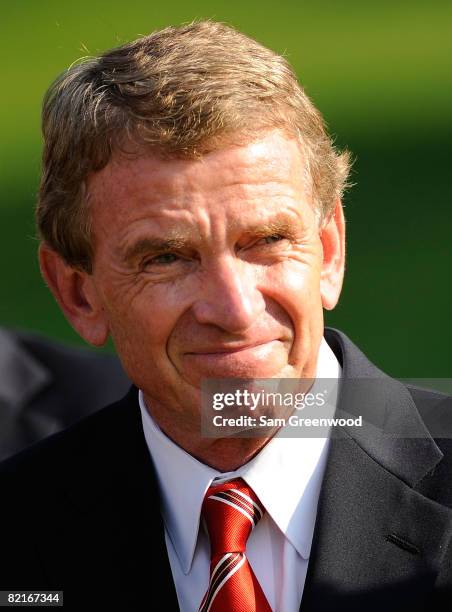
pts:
[46, 386]
[80, 511]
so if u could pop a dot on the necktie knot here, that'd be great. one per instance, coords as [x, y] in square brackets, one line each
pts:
[231, 510]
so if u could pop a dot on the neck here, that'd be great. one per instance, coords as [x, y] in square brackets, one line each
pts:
[222, 454]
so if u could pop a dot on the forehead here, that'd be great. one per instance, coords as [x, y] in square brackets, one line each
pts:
[271, 168]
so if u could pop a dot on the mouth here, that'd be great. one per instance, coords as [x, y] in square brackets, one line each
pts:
[231, 348]
[257, 360]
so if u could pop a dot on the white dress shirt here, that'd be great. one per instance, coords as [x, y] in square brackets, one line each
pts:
[286, 475]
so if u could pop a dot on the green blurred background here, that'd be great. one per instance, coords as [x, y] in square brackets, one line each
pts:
[381, 74]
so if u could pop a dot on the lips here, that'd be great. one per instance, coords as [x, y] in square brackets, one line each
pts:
[230, 348]
[257, 360]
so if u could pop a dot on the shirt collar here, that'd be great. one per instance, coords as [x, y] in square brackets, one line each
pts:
[286, 476]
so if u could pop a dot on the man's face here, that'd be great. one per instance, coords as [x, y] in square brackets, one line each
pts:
[208, 268]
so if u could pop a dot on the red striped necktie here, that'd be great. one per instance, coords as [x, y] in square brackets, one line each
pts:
[231, 510]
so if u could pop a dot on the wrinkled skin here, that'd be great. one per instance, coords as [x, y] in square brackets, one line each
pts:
[237, 290]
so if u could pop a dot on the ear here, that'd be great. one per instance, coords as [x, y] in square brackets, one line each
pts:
[332, 235]
[77, 296]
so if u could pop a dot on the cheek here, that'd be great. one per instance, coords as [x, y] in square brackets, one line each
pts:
[295, 285]
[140, 335]
[141, 321]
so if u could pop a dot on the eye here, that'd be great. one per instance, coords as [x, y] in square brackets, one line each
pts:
[162, 259]
[270, 239]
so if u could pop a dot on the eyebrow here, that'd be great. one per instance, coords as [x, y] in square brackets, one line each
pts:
[148, 244]
[280, 225]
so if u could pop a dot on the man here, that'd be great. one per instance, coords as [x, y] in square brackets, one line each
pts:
[46, 386]
[190, 209]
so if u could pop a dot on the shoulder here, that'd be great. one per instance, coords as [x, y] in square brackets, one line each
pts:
[435, 409]
[57, 482]
[60, 504]
[91, 441]
[424, 396]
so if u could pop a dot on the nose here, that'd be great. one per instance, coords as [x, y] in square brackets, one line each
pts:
[229, 297]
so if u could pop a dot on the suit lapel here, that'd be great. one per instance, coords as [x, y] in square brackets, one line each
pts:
[378, 543]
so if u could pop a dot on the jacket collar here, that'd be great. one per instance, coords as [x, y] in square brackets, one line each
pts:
[393, 433]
